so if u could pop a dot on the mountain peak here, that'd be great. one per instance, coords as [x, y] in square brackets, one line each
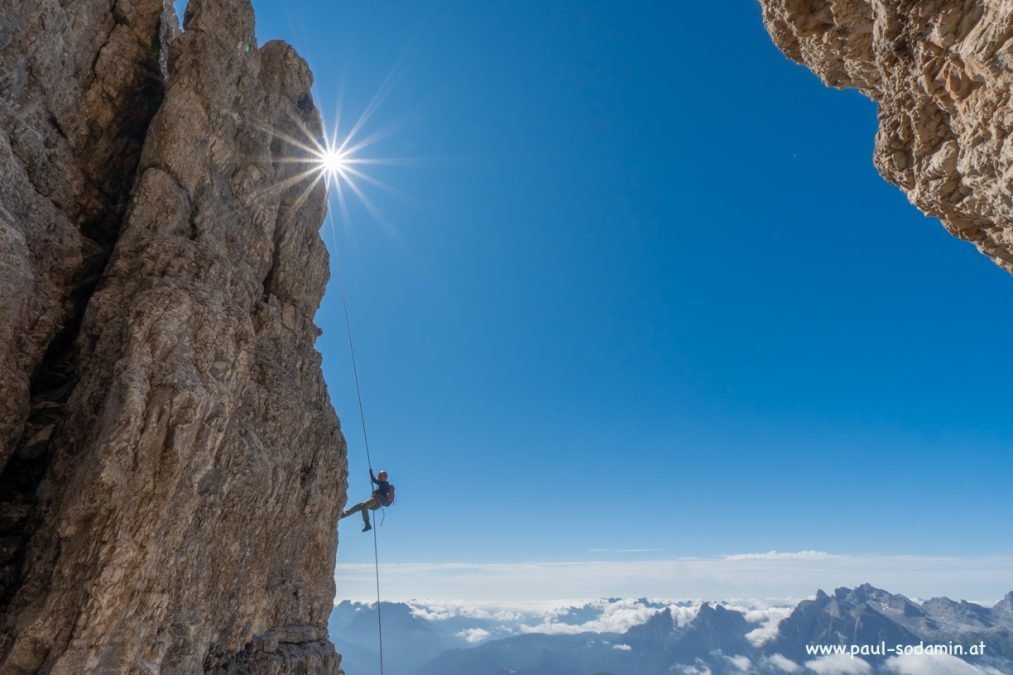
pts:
[654, 630]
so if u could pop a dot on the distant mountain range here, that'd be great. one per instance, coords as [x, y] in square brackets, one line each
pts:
[642, 637]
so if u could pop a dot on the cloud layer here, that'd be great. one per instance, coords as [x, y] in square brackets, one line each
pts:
[839, 664]
[936, 664]
[479, 623]
[776, 555]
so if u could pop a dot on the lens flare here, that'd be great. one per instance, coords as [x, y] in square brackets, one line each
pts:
[333, 162]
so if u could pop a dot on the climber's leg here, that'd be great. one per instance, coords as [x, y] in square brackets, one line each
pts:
[366, 507]
[355, 509]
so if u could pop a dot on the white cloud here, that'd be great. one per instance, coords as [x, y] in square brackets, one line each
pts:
[474, 635]
[443, 611]
[683, 614]
[616, 617]
[935, 664]
[698, 668]
[775, 555]
[769, 619]
[839, 664]
[622, 647]
[782, 663]
[740, 662]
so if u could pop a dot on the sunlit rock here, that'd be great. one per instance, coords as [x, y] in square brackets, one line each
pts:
[942, 74]
[172, 467]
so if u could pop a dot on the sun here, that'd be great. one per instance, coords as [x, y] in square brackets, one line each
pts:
[334, 162]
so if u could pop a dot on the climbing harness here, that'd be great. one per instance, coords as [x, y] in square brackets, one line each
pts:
[389, 498]
[362, 420]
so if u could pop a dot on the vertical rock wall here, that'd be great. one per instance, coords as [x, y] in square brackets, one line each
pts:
[172, 469]
[942, 74]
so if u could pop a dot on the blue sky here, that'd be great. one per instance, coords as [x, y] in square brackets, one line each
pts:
[649, 293]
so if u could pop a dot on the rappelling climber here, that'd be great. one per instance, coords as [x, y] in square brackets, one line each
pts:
[383, 495]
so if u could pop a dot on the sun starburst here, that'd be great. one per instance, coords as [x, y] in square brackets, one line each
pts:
[333, 163]
[342, 163]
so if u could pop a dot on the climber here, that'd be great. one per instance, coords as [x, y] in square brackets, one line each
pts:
[383, 495]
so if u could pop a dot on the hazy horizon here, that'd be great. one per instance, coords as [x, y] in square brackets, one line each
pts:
[769, 576]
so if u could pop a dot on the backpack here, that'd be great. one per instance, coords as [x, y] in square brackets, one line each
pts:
[389, 499]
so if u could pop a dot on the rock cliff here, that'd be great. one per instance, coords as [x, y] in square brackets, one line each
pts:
[942, 74]
[171, 469]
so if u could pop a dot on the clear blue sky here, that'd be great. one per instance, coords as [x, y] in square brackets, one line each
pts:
[653, 295]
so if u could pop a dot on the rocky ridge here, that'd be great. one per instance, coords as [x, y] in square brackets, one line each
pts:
[942, 74]
[172, 469]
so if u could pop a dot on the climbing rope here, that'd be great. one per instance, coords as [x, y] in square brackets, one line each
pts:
[362, 421]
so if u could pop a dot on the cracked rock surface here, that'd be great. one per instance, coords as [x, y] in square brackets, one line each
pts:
[171, 468]
[942, 74]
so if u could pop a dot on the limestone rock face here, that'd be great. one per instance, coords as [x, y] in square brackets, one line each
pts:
[171, 469]
[942, 73]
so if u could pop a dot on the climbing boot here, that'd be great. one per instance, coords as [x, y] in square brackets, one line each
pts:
[367, 528]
